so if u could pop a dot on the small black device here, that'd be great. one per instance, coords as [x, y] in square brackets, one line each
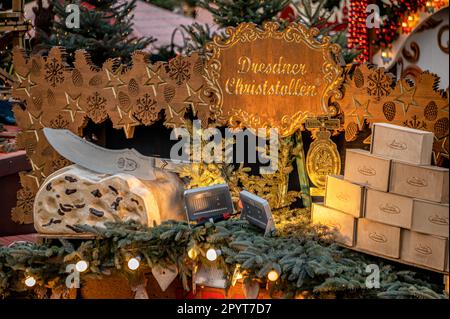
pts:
[208, 203]
[257, 211]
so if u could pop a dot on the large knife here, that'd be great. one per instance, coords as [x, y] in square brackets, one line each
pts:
[106, 161]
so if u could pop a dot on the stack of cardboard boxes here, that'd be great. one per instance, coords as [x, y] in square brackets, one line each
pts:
[391, 202]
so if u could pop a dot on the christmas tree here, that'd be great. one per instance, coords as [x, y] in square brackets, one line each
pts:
[232, 12]
[316, 14]
[104, 29]
[311, 13]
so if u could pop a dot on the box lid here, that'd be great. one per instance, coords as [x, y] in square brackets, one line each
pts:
[402, 128]
[14, 162]
[362, 152]
[430, 167]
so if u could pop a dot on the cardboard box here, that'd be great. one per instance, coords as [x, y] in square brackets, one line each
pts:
[387, 208]
[430, 218]
[424, 250]
[345, 196]
[368, 169]
[344, 224]
[402, 143]
[378, 238]
[423, 182]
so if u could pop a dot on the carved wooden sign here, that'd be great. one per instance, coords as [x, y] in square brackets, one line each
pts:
[57, 96]
[271, 77]
[372, 95]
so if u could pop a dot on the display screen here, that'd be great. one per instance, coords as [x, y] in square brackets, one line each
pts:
[208, 202]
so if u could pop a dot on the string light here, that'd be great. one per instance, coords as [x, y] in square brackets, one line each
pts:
[237, 275]
[386, 56]
[134, 263]
[30, 281]
[357, 28]
[192, 253]
[403, 17]
[212, 254]
[273, 275]
[81, 266]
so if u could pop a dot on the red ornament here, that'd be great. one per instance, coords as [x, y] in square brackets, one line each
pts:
[87, 5]
[288, 14]
[357, 28]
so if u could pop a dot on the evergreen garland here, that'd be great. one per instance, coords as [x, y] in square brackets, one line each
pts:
[308, 263]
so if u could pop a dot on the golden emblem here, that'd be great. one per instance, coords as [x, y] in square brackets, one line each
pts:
[323, 157]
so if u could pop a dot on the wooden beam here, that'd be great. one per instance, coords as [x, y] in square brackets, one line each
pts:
[17, 5]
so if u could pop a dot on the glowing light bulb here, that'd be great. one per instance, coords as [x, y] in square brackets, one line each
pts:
[384, 54]
[273, 275]
[133, 263]
[212, 254]
[192, 253]
[30, 281]
[236, 276]
[81, 266]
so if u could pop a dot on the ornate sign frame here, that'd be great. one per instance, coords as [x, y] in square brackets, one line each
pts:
[293, 35]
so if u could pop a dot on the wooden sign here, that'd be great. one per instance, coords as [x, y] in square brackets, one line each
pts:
[57, 96]
[271, 77]
[372, 95]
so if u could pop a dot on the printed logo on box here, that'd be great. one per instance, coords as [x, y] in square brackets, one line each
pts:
[390, 209]
[368, 171]
[379, 238]
[397, 145]
[423, 250]
[417, 182]
[343, 197]
[334, 225]
[438, 220]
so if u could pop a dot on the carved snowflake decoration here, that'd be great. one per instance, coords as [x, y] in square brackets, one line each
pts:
[147, 109]
[179, 70]
[60, 163]
[415, 123]
[54, 72]
[25, 199]
[59, 122]
[97, 107]
[379, 83]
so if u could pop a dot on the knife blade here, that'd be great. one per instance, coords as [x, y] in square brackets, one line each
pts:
[103, 160]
